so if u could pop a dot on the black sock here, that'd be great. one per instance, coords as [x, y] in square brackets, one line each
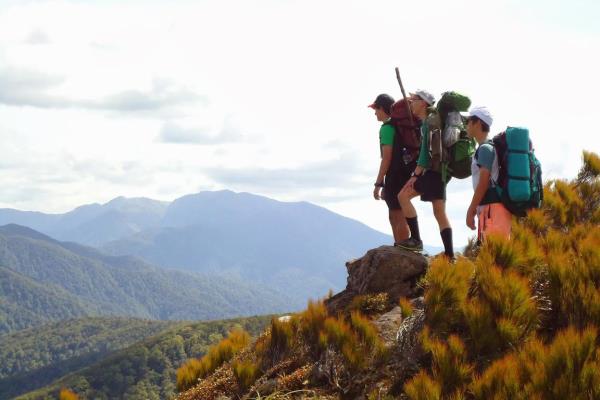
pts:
[414, 228]
[446, 235]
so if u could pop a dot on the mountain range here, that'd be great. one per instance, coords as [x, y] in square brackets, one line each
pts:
[44, 280]
[297, 248]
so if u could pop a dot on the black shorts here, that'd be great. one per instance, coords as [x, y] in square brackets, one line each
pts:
[430, 186]
[393, 184]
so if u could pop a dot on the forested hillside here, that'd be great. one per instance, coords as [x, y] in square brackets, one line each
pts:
[147, 370]
[45, 280]
[33, 358]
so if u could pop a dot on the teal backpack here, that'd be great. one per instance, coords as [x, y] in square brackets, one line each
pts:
[519, 183]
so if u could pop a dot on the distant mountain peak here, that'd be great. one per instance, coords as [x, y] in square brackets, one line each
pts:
[20, 230]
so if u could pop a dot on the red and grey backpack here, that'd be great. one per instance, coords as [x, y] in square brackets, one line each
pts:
[407, 140]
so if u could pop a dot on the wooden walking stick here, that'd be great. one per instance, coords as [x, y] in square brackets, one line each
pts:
[410, 116]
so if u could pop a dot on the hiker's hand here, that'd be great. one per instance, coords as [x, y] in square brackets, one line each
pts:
[410, 183]
[471, 217]
[376, 193]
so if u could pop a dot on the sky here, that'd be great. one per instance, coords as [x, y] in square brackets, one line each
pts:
[159, 99]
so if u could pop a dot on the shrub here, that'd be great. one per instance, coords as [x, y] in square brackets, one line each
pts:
[66, 394]
[591, 167]
[568, 368]
[447, 287]
[509, 297]
[189, 373]
[499, 381]
[311, 322]
[500, 252]
[480, 322]
[406, 307]
[194, 369]
[534, 296]
[449, 362]
[423, 387]
[282, 336]
[366, 332]
[574, 281]
[245, 373]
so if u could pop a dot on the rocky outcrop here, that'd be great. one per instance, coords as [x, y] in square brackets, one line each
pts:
[386, 269]
[376, 282]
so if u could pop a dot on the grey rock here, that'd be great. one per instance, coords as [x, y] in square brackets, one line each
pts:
[388, 325]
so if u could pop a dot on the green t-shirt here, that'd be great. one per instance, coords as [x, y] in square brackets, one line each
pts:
[386, 135]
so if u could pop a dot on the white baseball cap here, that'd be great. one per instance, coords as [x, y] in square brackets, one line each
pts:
[482, 113]
[424, 95]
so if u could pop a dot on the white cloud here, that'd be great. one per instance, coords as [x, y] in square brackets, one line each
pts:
[116, 83]
[173, 132]
[37, 37]
[32, 88]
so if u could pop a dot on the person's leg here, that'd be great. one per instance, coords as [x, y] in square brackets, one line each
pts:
[399, 226]
[414, 242]
[404, 198]
[395, 215]
[439, 212]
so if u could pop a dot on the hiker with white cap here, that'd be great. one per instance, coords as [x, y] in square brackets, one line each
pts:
[425, 182]
[492, 216]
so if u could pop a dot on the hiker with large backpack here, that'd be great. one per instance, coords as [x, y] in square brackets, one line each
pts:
[507, 177]
[492, 216]
[398, 158]
[427, 180]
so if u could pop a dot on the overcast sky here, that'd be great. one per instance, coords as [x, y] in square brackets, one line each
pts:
[100, 99]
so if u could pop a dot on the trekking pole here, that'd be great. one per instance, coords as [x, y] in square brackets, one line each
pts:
[410, 117]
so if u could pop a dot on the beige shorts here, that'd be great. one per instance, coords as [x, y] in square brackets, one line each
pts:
[493, 219]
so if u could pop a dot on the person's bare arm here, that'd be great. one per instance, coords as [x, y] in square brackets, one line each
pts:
[386, 161]
[482, 187]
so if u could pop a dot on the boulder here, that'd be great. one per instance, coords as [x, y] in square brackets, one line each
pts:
[385, 269]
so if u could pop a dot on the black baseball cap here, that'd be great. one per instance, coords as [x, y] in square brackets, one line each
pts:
[384, 101]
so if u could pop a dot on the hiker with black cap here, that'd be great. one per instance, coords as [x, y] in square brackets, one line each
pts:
[389, 180]
[492, 216]
[426, 183]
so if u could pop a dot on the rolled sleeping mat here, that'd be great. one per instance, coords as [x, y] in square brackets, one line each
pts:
[518, 159]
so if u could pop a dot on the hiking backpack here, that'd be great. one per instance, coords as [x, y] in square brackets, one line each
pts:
[450, 148]
[519, 183]
[407, 140]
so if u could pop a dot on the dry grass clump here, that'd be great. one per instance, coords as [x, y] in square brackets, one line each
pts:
[406, 307]
[194, 369]
[245, 373]
[66, 394]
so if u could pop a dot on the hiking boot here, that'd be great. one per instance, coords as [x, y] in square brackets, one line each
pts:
[411, 244]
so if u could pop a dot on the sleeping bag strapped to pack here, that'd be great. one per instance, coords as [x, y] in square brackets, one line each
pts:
[451, 150]
[520, 173]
